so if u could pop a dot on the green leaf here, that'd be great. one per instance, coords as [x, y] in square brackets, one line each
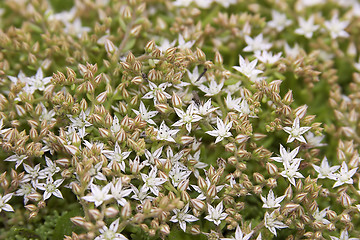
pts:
[64, 226]
[27, 233]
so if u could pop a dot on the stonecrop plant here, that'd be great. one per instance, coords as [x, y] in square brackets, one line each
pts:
[179, 119]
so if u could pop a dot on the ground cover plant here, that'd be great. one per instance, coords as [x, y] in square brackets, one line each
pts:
[186, 119]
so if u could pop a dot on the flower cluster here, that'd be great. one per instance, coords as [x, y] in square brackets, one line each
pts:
[227, 120]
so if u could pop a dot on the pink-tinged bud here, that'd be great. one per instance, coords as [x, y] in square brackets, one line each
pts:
[126, 13]
[176, 100]
[165, 229]
[185, 197]
[259, 178]
[183, 185]
[230, 147]
[150, 46]
[130, 58]
[167, 165]
[331, 227]
[195, 230]
[331, 214]
[271, 168]
[137, 80]
[345, 218]
[109, 46]
[202, 184]
[137, 66]
[63, 162]
[340, 155]
[197, 204]
[126, 210]
[348, 131]
[104, 132]
[20, 110]
[241, 138]
[290, 207]
[218, 58]
[271, 182]
[211, 192]
[186, 140]
[200, 55]
[275, 85]
[162, 108]
[288, 98]
[101, 97]
[345, 199]
[135, 30]
[71, 149]
[31, 207]
[300, 197]
[288, 192]
[163, 175]
[125, 65]
[301, 111]
[170, 51]
[121, 136]
[94, 214]
[75, 139]
[161, 97]
[78, 221]
[76, 188]
[111, 212]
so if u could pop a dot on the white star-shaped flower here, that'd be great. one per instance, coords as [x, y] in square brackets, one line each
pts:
[256, 44]
[239, 235]
[307, 28]
[98, 195]
[344, 176]
[247, 68]
[337, 27]
[286, 155]
[290, 171]
[3, 203]
[145, 114]
[152, 182]
[272, 224]
[296, 131]
[164, 133]
[182, 217]
[216, 214]
[116, 156]
[51, 188]
[187, 117]
[271, 201]
[279, 21]
[222, 131]
[325, 171]
[111, 232]
[213, 89]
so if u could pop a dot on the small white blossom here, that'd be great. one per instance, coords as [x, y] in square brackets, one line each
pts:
[193, 76]
[337, 27]
[314, 141]
[17, 159]
[272, 224]
[51, 188]
[216, 214]
[25, 190]
[307, 28]
[247, 68]
[184, 45]
[182, 217]
[3, 203]
[320, 215]
[145, 114]
[279, 21]
[256, 44]
[118, 193]
[76, 28]
[286, 155]
[141, 194]
[80, 123]
[203, 194]
[116, 156]
[206, 108]
[213, 89]
[239, 235]
[291, 169]
[155, 155]
[344, 235]
[344, 176]
[296, 131]
[111, 232]
[187, 117]
[268, 57]
[155, 90]
[178, 173]
[325, 171]
[271, 201]
[164, 133]
[222, 131]
[152, 182]
[98, 195]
